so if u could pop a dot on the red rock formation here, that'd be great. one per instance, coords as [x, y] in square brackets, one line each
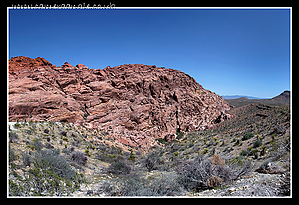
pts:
[21, 63]
[135, 104]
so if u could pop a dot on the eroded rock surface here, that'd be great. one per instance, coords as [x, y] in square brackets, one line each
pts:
[134, 104]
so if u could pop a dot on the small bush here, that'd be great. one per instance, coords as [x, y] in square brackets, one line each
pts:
[202, 173]
[17, 125]
[27, 160]
[119, 167]
[164, 184]
[257, 143]
[65, 139]
[13, 137]
[79, 157]
[247, 136]
[37, 144]
[12, 155]
[132, 156]
[57, 161]
[50, 175]
[153, 161]
[161, 140]
[244, 153]
[87, 152]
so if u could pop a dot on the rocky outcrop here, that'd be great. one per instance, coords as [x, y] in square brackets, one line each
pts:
[22, 62]
[134, 104]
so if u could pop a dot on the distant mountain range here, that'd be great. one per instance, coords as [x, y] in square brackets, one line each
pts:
[238, 100]
[227, 97]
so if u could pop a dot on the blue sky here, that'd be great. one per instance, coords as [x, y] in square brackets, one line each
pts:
[228, 51]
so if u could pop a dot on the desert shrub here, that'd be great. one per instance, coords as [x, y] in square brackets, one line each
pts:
[37, 144]
[26, 159]
[49, 146]
[75, 142]
[257, 143]
[87, 152]
[12, 155]
[79, 157]
[216, 159]
[17, 125]
[161, 140]
[244, 153]
[240, 166]
[247, 136]
[153, 161]
[195, 173]
[72, 149]
[163, 184]
[281, 149]
[56, 161]
[50, 175]
[13, 137]
[65, 139]
[132, 156]
[42, 180]
[119, 167]
[203, 173]
[105, 157]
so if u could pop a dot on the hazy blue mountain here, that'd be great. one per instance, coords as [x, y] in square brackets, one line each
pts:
[226, 97]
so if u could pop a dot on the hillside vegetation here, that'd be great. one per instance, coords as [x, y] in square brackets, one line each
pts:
[248, 155]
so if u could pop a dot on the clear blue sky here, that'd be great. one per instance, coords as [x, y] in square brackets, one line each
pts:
[245, 52]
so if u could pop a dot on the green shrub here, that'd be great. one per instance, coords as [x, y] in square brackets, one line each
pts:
[247, 136]
[65, 139]
[257, 143]
[30, 146]
[43, 180]
[13, 137]
[166, 184]
[12, 155]
[50, 175]
[205, 151]
[161, 140]
[17, 125]
[244, 153]
[132, 156]
[79, 157]
[87, 152]
[155, 161]
[26, 158]
[37, 144]
[119, 167]
[264, 149]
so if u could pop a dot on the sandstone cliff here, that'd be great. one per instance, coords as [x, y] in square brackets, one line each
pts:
[133, 104]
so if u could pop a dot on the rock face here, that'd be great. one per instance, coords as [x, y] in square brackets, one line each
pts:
[133, 104]
[22, 62]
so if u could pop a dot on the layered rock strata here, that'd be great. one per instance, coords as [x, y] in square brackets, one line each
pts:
[133, 104]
